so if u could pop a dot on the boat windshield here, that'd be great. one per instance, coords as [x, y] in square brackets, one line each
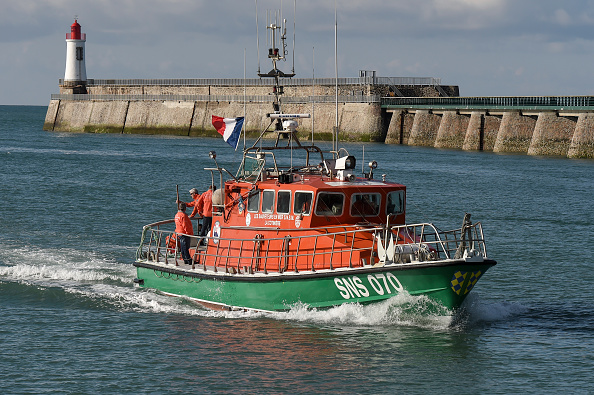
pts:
[250, 168]
[365, 204]
[283, 202]
[254, 202]
[268, 201]
[395, 203]
[330, 204]
[303, 202]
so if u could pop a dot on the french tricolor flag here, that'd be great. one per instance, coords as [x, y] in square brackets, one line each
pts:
[229, 128]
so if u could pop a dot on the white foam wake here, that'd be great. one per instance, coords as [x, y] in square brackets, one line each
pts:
[103, 280]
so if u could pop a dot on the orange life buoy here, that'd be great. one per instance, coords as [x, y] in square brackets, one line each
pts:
[171, 243]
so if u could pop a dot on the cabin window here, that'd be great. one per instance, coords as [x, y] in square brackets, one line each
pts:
[303, 203]
[365, 204]
[330, 204]
[254, 202]
[267, 201]
[395, 204]
[283, 202]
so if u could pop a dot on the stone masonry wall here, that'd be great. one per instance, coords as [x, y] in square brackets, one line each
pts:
[544, 133]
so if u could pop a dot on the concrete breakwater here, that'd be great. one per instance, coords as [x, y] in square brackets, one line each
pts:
[535, 126]
[359, 121]
[543, 133]
[184, 107]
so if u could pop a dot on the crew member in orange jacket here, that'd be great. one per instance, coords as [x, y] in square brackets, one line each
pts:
[194, 203]
[205, 209]
[183, 228]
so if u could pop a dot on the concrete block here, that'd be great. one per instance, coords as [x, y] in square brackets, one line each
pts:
[582, 141]
[107, 117]
[51, 114]
[424, 129]
[159, 117]
[482, 132]
[552, 135]
[515, 133]
[452, 130]
[394, 133]
[73, 116]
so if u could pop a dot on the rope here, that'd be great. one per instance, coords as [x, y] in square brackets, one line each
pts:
[139, 250]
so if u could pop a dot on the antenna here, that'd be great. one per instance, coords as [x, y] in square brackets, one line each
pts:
[276, 36]
[257, 37]
[294, 16]
[244, 126]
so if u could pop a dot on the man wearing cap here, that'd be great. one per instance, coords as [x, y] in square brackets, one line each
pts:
[183, 228]
[195, 196]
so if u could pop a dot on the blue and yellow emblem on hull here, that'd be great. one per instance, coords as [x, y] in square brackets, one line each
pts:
[459, 284]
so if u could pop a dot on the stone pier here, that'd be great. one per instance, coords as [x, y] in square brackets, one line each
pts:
[554, 126]
[582, 142]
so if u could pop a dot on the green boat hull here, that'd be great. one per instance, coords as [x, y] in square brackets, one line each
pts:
[447, 282]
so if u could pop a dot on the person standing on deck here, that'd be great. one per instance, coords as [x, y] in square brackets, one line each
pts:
[194, 203]
[205, 209]
[183, 228]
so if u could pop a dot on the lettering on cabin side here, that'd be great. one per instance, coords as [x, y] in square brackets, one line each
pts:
[277, 217]
[380, 283]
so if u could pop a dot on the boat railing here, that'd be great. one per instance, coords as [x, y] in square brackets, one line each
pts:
[313, 250]
[452, 243]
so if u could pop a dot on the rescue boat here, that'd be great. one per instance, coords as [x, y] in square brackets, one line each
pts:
[310, 232]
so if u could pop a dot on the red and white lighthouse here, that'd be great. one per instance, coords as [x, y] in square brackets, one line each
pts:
[75, 76]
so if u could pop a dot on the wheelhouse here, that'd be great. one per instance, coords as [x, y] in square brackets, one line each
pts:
[312, 204]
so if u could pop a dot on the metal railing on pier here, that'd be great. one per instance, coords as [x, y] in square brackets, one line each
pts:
[494, 103]
[220, 98]
[235, 82]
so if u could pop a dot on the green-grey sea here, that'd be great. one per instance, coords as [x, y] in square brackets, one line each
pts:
[72, 321]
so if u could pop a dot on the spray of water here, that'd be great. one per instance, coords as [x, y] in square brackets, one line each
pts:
[98, 278]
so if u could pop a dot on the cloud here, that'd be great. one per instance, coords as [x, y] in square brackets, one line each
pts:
[561, 17]
[464, 42]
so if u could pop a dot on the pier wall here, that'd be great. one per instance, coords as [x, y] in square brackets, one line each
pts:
[582, 141]
[112, 107]
[357, 121]
[503, 130]
[448, 134]
[515, 133]
[549, 133]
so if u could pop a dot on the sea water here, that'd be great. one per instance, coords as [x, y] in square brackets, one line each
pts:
[71, 214]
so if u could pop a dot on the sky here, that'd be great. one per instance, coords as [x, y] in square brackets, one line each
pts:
[486, 47]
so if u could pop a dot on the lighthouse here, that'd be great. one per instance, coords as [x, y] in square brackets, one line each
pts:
[75, 76]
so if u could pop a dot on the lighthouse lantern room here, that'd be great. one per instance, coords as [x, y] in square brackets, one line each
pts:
[75, 76]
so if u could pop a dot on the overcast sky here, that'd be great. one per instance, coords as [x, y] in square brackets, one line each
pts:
[486, 47]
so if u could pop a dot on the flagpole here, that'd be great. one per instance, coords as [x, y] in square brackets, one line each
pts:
[244, 97]
[313, 91]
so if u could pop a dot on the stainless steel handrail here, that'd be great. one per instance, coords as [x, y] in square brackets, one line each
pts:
[425, 237]
[368, 80]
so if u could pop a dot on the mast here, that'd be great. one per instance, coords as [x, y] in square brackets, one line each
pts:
[277, 35]
[335, 134]
[257, 37]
